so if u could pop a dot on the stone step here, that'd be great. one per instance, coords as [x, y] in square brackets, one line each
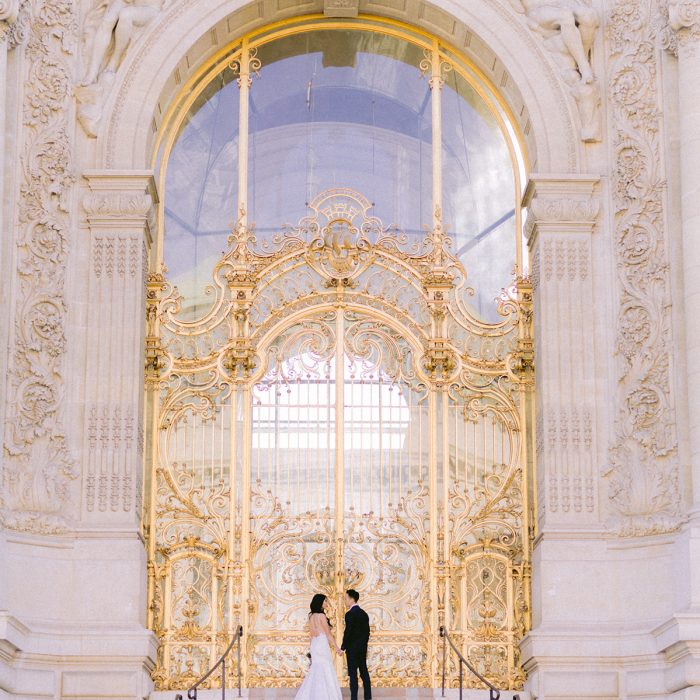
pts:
[377, 694]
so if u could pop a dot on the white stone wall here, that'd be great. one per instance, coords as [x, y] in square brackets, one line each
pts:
[613, 210]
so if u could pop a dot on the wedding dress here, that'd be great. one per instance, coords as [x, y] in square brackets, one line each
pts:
[321, 682]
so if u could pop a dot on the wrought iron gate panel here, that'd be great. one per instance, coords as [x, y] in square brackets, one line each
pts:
[338, 417]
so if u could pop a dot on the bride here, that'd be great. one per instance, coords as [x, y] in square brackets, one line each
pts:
[321, 682]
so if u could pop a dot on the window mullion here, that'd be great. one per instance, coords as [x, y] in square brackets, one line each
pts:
[247, 63]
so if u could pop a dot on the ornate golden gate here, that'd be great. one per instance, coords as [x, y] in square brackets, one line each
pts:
[338, 418]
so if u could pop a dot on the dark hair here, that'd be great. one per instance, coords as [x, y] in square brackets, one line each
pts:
[353, 594]
[317, 606]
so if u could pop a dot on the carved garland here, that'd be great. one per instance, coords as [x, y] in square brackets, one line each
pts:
[38, 467]
[643, 473]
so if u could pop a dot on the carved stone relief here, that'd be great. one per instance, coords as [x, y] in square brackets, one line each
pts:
[38, 466]
[110, 28]
[119, 213]
[562, 216]
[684, 14]
[643, 474]
[113, 436]
[568, 29]
[9, 10]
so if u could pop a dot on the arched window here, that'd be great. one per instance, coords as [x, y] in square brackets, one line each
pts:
[337, 397]
[345, 108]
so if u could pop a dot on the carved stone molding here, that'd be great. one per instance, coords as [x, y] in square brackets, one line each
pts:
[116, 205]
[119, 211]
[643, 471]
[684, 15]
[560, 204]
[114, 436]
[9, 10]
[14, 22]
[562, 215]
[341, 8]
[35, 491]
[124, 198]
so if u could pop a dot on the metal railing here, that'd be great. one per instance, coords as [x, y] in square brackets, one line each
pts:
[236, 641]
[494, 693]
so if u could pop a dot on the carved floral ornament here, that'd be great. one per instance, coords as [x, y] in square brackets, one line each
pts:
[684, 15]
[39, 469]
[643, 470]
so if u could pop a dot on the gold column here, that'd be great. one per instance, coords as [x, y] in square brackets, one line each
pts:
[247, 63]
[339, 455]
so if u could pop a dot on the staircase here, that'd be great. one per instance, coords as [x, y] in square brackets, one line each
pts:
[377, 694]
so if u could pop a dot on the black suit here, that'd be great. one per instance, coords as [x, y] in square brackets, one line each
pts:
[354, 645]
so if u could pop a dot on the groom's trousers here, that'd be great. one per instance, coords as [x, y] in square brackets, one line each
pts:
[358, 662]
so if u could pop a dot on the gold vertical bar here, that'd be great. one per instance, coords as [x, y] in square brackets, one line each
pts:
[436, 105]
[444, 399]
[245, 398]
[231, 541]
[244, 82]
[402, 456]
[288, 465]
[435, 523]
[329, 442]
[203, 447]
[455, 408]
[276, 430]
[465, 430]
[391, 445]
[351, 440]
[339, 456]
[297, 407]
[370, 494]
[381, 446]
[154, 401]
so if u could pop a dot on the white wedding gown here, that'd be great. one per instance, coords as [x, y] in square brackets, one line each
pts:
[321, 682]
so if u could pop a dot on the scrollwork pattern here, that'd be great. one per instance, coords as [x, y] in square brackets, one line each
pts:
[302, 423]
[38, 466]
[643, 472]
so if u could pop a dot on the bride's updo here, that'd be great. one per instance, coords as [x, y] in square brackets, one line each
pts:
[317, 606]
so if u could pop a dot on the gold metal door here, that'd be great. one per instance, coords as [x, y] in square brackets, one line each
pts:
[340, 462]
[339, 418]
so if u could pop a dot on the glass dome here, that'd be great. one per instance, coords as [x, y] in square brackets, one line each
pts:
[341, 108]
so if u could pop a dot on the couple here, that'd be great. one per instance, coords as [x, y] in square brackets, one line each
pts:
[321, 682]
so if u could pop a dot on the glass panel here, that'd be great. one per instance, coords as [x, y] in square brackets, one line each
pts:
[386, 441]
[385, 418]
[340, 109]
[478, 193]
[293, 499]
[201, 192]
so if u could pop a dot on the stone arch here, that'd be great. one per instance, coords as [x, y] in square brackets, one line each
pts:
[491, 35]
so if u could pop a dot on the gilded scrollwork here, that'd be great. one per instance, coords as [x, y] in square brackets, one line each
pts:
[296, 416]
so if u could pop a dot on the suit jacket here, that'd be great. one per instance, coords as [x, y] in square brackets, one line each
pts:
[356, 633]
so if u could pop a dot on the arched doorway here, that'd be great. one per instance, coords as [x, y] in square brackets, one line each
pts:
[346, 403]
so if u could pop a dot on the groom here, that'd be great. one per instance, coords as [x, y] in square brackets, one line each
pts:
[354, 644]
